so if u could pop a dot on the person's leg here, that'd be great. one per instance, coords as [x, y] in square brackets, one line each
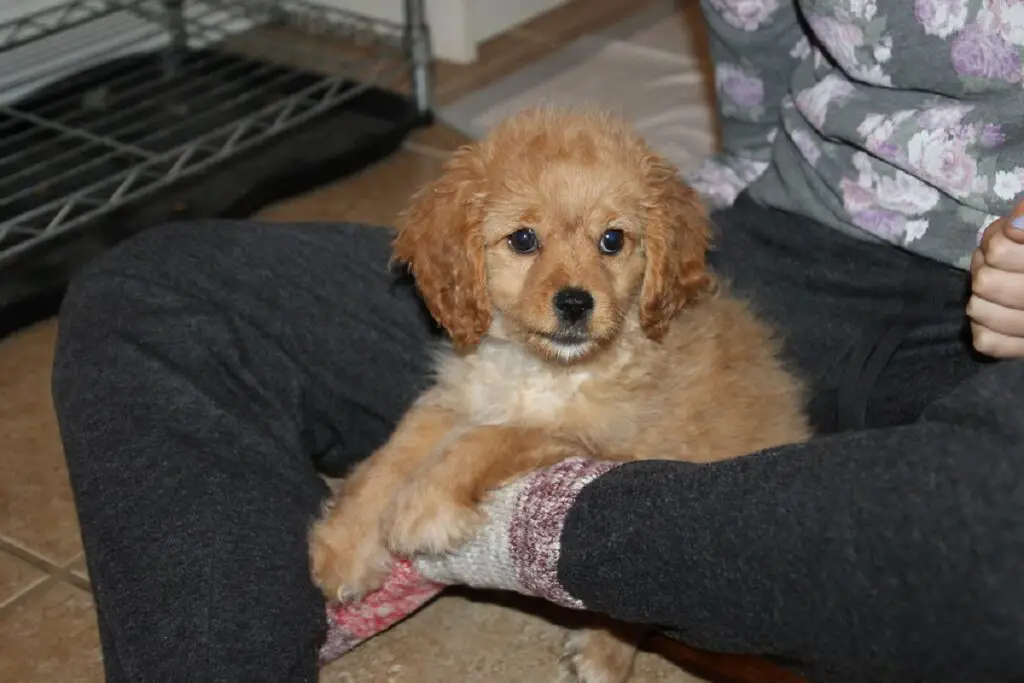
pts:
[884, 555]
[201, 370]
[837, 302]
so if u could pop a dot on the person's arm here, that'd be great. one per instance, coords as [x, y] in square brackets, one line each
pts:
[754, 48]
[887, 555]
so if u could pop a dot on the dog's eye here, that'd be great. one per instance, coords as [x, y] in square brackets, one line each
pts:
[611, 242]
[523, 241]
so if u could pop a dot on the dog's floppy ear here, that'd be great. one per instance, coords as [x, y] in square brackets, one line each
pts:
[676, 243]
[441, 242]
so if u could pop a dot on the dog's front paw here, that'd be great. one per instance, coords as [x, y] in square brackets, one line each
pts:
[346, 562]
[595, 656]
[421, 520]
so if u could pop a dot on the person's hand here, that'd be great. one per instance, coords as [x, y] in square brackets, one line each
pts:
[996, 306]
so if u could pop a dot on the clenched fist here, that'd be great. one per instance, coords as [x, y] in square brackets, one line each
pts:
[996, 306]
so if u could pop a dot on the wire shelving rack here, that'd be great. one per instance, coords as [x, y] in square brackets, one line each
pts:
[107, 103]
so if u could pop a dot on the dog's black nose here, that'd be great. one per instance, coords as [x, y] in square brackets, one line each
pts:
[573, 304]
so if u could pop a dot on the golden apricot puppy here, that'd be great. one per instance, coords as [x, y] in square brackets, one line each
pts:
[566, 260]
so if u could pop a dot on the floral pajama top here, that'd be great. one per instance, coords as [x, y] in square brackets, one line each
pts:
[893, 120]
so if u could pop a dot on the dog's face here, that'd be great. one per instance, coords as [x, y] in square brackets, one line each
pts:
[564, 250]
[553, 231]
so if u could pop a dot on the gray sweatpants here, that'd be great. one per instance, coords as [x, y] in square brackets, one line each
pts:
[204, 371]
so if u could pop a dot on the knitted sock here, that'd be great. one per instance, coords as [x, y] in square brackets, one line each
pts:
[517, 550]
[349, 624]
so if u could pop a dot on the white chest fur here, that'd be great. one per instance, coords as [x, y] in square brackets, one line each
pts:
[501, 383]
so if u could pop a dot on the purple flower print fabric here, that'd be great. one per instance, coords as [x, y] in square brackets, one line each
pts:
[892, 120]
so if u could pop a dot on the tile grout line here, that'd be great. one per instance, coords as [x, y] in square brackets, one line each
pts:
[76, 581]
[37, 561]
[41, 563]
[53, 573]
[43, 580]
[44, 583]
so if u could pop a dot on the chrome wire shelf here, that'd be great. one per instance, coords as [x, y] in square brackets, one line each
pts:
[174, 88]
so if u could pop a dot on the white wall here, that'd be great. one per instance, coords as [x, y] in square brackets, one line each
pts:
[35, 64]
[457, 27]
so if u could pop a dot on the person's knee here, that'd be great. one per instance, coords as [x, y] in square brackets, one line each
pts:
[109, 295]
[165, 257]
[87, 299]
[162, 248]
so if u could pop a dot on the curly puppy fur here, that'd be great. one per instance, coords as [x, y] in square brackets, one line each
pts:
[566, 260]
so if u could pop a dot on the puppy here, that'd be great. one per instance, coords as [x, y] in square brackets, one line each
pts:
[566, 261]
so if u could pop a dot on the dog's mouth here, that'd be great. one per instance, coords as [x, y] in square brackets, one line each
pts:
[566, 346]
[566, 338]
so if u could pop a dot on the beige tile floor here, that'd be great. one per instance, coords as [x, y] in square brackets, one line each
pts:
[47, 625]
